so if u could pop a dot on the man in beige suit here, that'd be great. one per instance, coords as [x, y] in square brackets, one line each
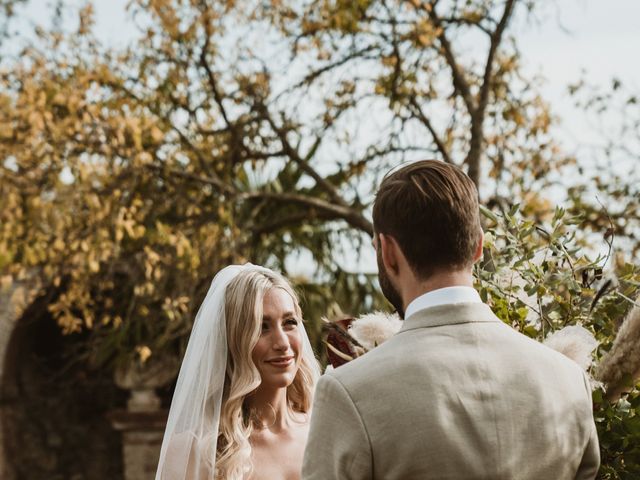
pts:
[456, 394]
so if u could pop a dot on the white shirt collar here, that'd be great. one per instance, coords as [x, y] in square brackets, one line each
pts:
[442, 296]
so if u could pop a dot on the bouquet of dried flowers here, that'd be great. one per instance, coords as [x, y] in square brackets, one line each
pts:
[350, 337]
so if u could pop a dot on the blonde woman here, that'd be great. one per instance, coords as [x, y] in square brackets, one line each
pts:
[242, 402]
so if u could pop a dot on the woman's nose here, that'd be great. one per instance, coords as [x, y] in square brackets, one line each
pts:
[280, 339]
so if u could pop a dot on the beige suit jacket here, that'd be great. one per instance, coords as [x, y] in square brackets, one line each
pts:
[456, 394]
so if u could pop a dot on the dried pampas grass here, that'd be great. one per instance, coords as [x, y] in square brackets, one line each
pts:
[374, 328]
[622, 363]
[575, 342]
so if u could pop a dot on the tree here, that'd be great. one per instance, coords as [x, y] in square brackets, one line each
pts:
[131, 176]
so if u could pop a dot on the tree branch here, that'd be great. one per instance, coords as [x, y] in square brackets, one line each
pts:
[293, 154]
[324, 208]
[477, 116]
[459, 80]
[311, 76]
[419, 114]
[464, 21]
[214, 181]
[212, 82]
[294, 219]
[350, 215]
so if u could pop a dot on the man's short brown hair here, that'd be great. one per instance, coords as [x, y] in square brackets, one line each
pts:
[431, 209]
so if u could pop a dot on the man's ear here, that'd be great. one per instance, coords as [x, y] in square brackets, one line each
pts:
[389, 252]
[478, 253]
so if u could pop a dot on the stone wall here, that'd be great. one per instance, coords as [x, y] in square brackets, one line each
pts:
[14, 300]
[60, 419]
[142, 434]
[53, 405]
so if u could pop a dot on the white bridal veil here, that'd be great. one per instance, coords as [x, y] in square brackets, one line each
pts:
[192, 426]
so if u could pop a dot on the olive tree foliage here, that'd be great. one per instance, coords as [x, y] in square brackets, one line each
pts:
[538, 278]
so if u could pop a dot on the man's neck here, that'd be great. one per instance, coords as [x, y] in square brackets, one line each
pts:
[461, 278]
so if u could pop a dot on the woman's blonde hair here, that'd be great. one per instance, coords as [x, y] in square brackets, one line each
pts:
[243, 314]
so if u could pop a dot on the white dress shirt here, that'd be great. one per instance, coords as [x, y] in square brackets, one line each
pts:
[442, 296]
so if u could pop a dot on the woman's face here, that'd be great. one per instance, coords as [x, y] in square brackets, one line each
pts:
[277, 353]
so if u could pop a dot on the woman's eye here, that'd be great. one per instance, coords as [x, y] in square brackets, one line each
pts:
[265, 326]
[292, 322]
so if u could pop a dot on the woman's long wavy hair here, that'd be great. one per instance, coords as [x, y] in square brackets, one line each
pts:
[243, 313]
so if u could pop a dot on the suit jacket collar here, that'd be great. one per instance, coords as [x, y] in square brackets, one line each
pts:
[450, 314]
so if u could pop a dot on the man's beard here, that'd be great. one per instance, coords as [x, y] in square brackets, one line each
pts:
[388, 289]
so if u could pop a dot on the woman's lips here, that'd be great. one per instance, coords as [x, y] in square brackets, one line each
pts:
[282, 362]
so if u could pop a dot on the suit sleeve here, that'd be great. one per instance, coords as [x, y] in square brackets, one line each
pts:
[590, 462]
[338, 446]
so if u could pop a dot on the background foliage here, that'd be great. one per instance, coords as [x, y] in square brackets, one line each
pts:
[538, 277]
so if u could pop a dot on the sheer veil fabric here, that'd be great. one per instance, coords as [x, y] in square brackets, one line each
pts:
[190, 438]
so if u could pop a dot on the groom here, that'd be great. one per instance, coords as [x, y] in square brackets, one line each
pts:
[456, 394]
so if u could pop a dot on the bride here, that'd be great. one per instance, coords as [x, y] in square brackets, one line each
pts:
[242, 401]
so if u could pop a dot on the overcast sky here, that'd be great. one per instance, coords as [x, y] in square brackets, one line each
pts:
[582, 38]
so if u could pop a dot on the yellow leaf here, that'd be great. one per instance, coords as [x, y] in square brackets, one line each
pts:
[58, 99]
[6, 281]
[94, 266]
[138, 231]
[58, 245]
[35, 121]
[143, 352]
[69, 323]
[156, 134]
[93, 200]
[128, 226]
[144, 158]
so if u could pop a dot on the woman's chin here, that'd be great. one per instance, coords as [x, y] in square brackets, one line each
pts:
[278, 381]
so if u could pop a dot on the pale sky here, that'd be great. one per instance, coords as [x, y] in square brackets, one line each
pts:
[591, 39]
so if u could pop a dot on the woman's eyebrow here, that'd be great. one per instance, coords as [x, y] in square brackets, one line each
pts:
[267, 318]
